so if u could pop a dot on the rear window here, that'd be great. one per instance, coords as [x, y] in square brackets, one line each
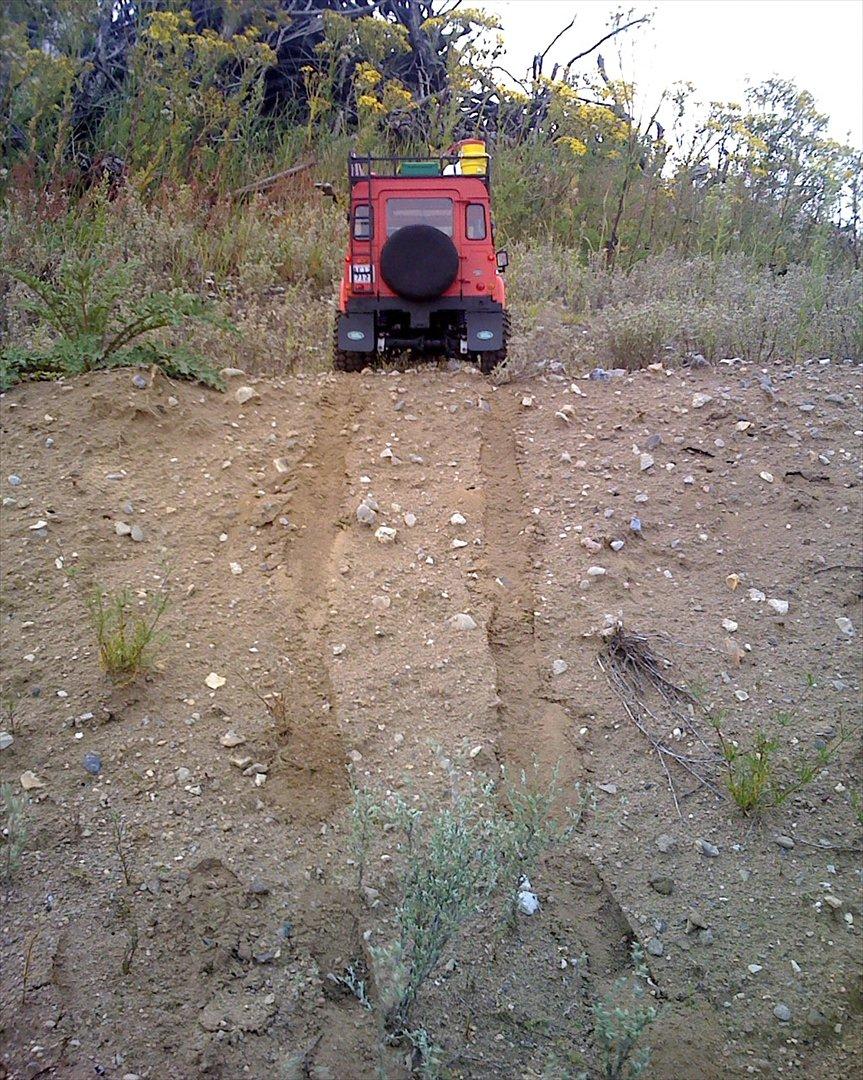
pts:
[475, 221]
[362, 221]
[435, 212]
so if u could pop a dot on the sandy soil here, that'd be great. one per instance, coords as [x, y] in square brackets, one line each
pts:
[213, 959]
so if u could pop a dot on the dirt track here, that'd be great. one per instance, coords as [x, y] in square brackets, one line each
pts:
[243, 898]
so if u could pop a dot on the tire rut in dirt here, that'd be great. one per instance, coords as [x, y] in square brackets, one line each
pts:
[531, 724]
[533, 727]
[308, 774]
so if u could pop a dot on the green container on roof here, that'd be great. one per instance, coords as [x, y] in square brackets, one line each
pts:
[419, 168]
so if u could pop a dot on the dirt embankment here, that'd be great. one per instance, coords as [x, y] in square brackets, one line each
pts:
[692, 507]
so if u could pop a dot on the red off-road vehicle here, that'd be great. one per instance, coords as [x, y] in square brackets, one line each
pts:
[421, 271]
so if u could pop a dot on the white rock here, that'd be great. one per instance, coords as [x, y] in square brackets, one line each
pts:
[183, 774]
[365, 514]
[645, 462]
[410, 520]
[757, 596]
[461, 621]
[381, 603]
[231, 739]
[779, 606]
[729, 625]
[845, 625]
[260, 779]
[231, 372]
[617, 545]
[280, 465]
[6, 740]
[385, 535]
[30, 781]
[700, 400]
[458, 519]
[236, 569]
[214, 681]
[40, 524]
[458, 543]
[339, 649]
[528, 901]
[122, 529]
[137, 534]
[559, 667]
[768, 476]
[527, 401]
[596, 571]
[590, 545]
[244, 394]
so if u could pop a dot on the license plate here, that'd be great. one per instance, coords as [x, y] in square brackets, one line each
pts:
[361, 273]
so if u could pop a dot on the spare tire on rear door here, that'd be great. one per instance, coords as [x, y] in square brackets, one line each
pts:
[419, 262]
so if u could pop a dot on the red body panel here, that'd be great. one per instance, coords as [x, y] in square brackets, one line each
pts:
[478, 275]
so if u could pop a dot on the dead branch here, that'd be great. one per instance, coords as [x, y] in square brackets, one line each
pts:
[268, 181]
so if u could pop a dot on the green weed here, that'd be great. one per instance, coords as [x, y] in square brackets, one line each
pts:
[620, 1020]
[126, 634]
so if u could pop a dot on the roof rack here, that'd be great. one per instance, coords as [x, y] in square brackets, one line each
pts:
[393, 167]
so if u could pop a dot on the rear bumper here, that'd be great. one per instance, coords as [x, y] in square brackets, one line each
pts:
[420, 314]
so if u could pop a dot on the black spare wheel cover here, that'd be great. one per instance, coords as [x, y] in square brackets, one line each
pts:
[419, 262]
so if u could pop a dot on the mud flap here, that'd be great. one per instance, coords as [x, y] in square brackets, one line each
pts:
[484, 331]
[357, 333]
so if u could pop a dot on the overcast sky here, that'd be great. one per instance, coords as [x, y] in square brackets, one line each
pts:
[714, 44]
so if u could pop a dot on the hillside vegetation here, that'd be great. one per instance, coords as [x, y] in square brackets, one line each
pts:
[145, 146]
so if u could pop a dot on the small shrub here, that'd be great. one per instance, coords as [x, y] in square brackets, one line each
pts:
[454, 857]
[620, 1019]
[14, 833]
[125, 634]
[97, 316]
[758, 780]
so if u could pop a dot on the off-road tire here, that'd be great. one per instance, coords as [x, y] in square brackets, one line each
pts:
[488, 361]
[348, 361]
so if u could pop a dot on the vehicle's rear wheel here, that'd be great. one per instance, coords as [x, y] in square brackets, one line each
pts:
[488, 361]
[348, 361]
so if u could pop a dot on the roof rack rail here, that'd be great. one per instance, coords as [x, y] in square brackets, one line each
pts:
[395, 167]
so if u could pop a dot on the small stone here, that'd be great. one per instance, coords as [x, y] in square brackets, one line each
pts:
[528, 901]
[596, 571]
[371, 896]
[235, 568]
[845, 626]
[700, 400]
[645, 462]
[458, 519]
[711, 851]
[385, 535]
[6, 740]
[729, 625]
[655, 947]
[662, 885]
[617, 545]
[757, 596]
[410, 520]
[456, 544]
[355, 756]
[786, 842]
[258, 887]
[666, 844]
[461, 621]
[365, 514]
[635, 524]
[231, 739]
[767, 476]
[231, 372]
[183, 774]
[779, 606]
[559, 667]
[705, 937]
[741, 695]
[381, 603]
[137, 534]
[214, 681]
[244, 394]
[30, 781]
[753, 969]
[833, 902]
[92, 763]
[14, 479]
[280, 465]
[782, 1012]
[140, 382]
[527, 401]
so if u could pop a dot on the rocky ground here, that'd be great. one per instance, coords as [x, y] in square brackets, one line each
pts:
[186, 884]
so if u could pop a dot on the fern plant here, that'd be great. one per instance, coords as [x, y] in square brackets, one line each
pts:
[97, 316]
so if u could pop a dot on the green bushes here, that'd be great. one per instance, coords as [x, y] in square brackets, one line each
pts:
[125, 634]
[98, 319]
